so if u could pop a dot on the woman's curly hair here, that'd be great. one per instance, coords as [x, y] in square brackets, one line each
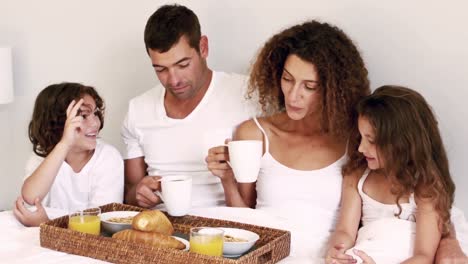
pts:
[409, 143]
[49, 114]
[341, 70]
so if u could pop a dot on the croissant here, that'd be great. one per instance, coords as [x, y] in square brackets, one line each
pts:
[153, 221]
[154, 239]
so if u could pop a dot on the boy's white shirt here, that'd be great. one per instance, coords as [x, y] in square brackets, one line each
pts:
[101, 181]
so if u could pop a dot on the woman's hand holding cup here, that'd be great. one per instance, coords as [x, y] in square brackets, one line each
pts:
[217, 162]
[245, 159]
[238, 159]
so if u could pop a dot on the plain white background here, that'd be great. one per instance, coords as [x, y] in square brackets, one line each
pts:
[419, 44]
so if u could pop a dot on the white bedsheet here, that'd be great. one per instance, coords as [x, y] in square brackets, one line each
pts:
[19, 244]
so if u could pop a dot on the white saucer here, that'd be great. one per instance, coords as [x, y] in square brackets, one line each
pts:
[232, 256]
[186, 243]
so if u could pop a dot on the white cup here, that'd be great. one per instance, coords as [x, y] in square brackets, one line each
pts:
[176, 193]
[245, 157]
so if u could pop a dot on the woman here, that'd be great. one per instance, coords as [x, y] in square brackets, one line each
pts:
[308, 78]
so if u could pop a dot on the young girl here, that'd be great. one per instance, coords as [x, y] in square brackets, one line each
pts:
[71, 169]
[398, 185]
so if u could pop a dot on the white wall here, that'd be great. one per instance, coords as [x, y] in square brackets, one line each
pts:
[420, 44]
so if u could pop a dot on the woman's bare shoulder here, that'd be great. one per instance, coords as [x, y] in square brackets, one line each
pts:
[352, 178]
[250, 130]
[247, 130]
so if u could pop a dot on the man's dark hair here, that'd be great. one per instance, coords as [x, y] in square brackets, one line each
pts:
[168, 24]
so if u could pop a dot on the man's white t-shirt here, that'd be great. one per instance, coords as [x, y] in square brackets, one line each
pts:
[179, 146]
[101, 181]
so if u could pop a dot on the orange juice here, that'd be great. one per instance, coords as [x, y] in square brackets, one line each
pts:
[90, 224]
[212, 246]
[207, 241]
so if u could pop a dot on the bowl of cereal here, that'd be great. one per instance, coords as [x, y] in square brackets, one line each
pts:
[115, 221]
[238, 241]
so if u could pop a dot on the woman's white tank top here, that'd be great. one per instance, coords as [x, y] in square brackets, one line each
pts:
[298, 194]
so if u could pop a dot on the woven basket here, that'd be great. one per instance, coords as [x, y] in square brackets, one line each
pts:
[272, 246]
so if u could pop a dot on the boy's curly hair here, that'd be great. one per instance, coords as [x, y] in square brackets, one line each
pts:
[49, 114]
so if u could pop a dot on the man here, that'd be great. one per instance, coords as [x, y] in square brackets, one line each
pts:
[169, 129]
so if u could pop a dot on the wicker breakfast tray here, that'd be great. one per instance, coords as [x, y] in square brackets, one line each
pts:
[272, 246]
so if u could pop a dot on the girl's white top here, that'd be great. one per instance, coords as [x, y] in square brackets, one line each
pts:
[373, 210]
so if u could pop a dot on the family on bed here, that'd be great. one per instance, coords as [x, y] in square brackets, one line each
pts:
[370, 161]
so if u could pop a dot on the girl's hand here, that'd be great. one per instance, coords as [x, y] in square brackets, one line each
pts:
[72, 127]
[28, 218]
[365, 258]
[336, 254]
[217, 162]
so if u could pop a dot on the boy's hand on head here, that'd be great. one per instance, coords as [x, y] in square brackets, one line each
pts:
[73, 123]
[28, 218]
[336, 254]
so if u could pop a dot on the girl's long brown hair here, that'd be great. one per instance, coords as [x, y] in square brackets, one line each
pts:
[408, 140]
[49, 114]
[342, 74]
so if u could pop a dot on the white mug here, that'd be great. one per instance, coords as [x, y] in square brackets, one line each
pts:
[244, 159]
[176, 193]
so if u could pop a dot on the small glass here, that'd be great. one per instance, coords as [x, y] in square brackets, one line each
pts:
[86, 221]
[207, 240]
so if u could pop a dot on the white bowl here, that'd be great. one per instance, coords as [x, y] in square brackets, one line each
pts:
[235, 249]
[111, 227]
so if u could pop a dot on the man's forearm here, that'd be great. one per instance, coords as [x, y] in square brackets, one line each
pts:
[130, 194]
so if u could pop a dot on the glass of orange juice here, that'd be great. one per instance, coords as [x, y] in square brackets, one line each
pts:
[207, 241]
[86, 221]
